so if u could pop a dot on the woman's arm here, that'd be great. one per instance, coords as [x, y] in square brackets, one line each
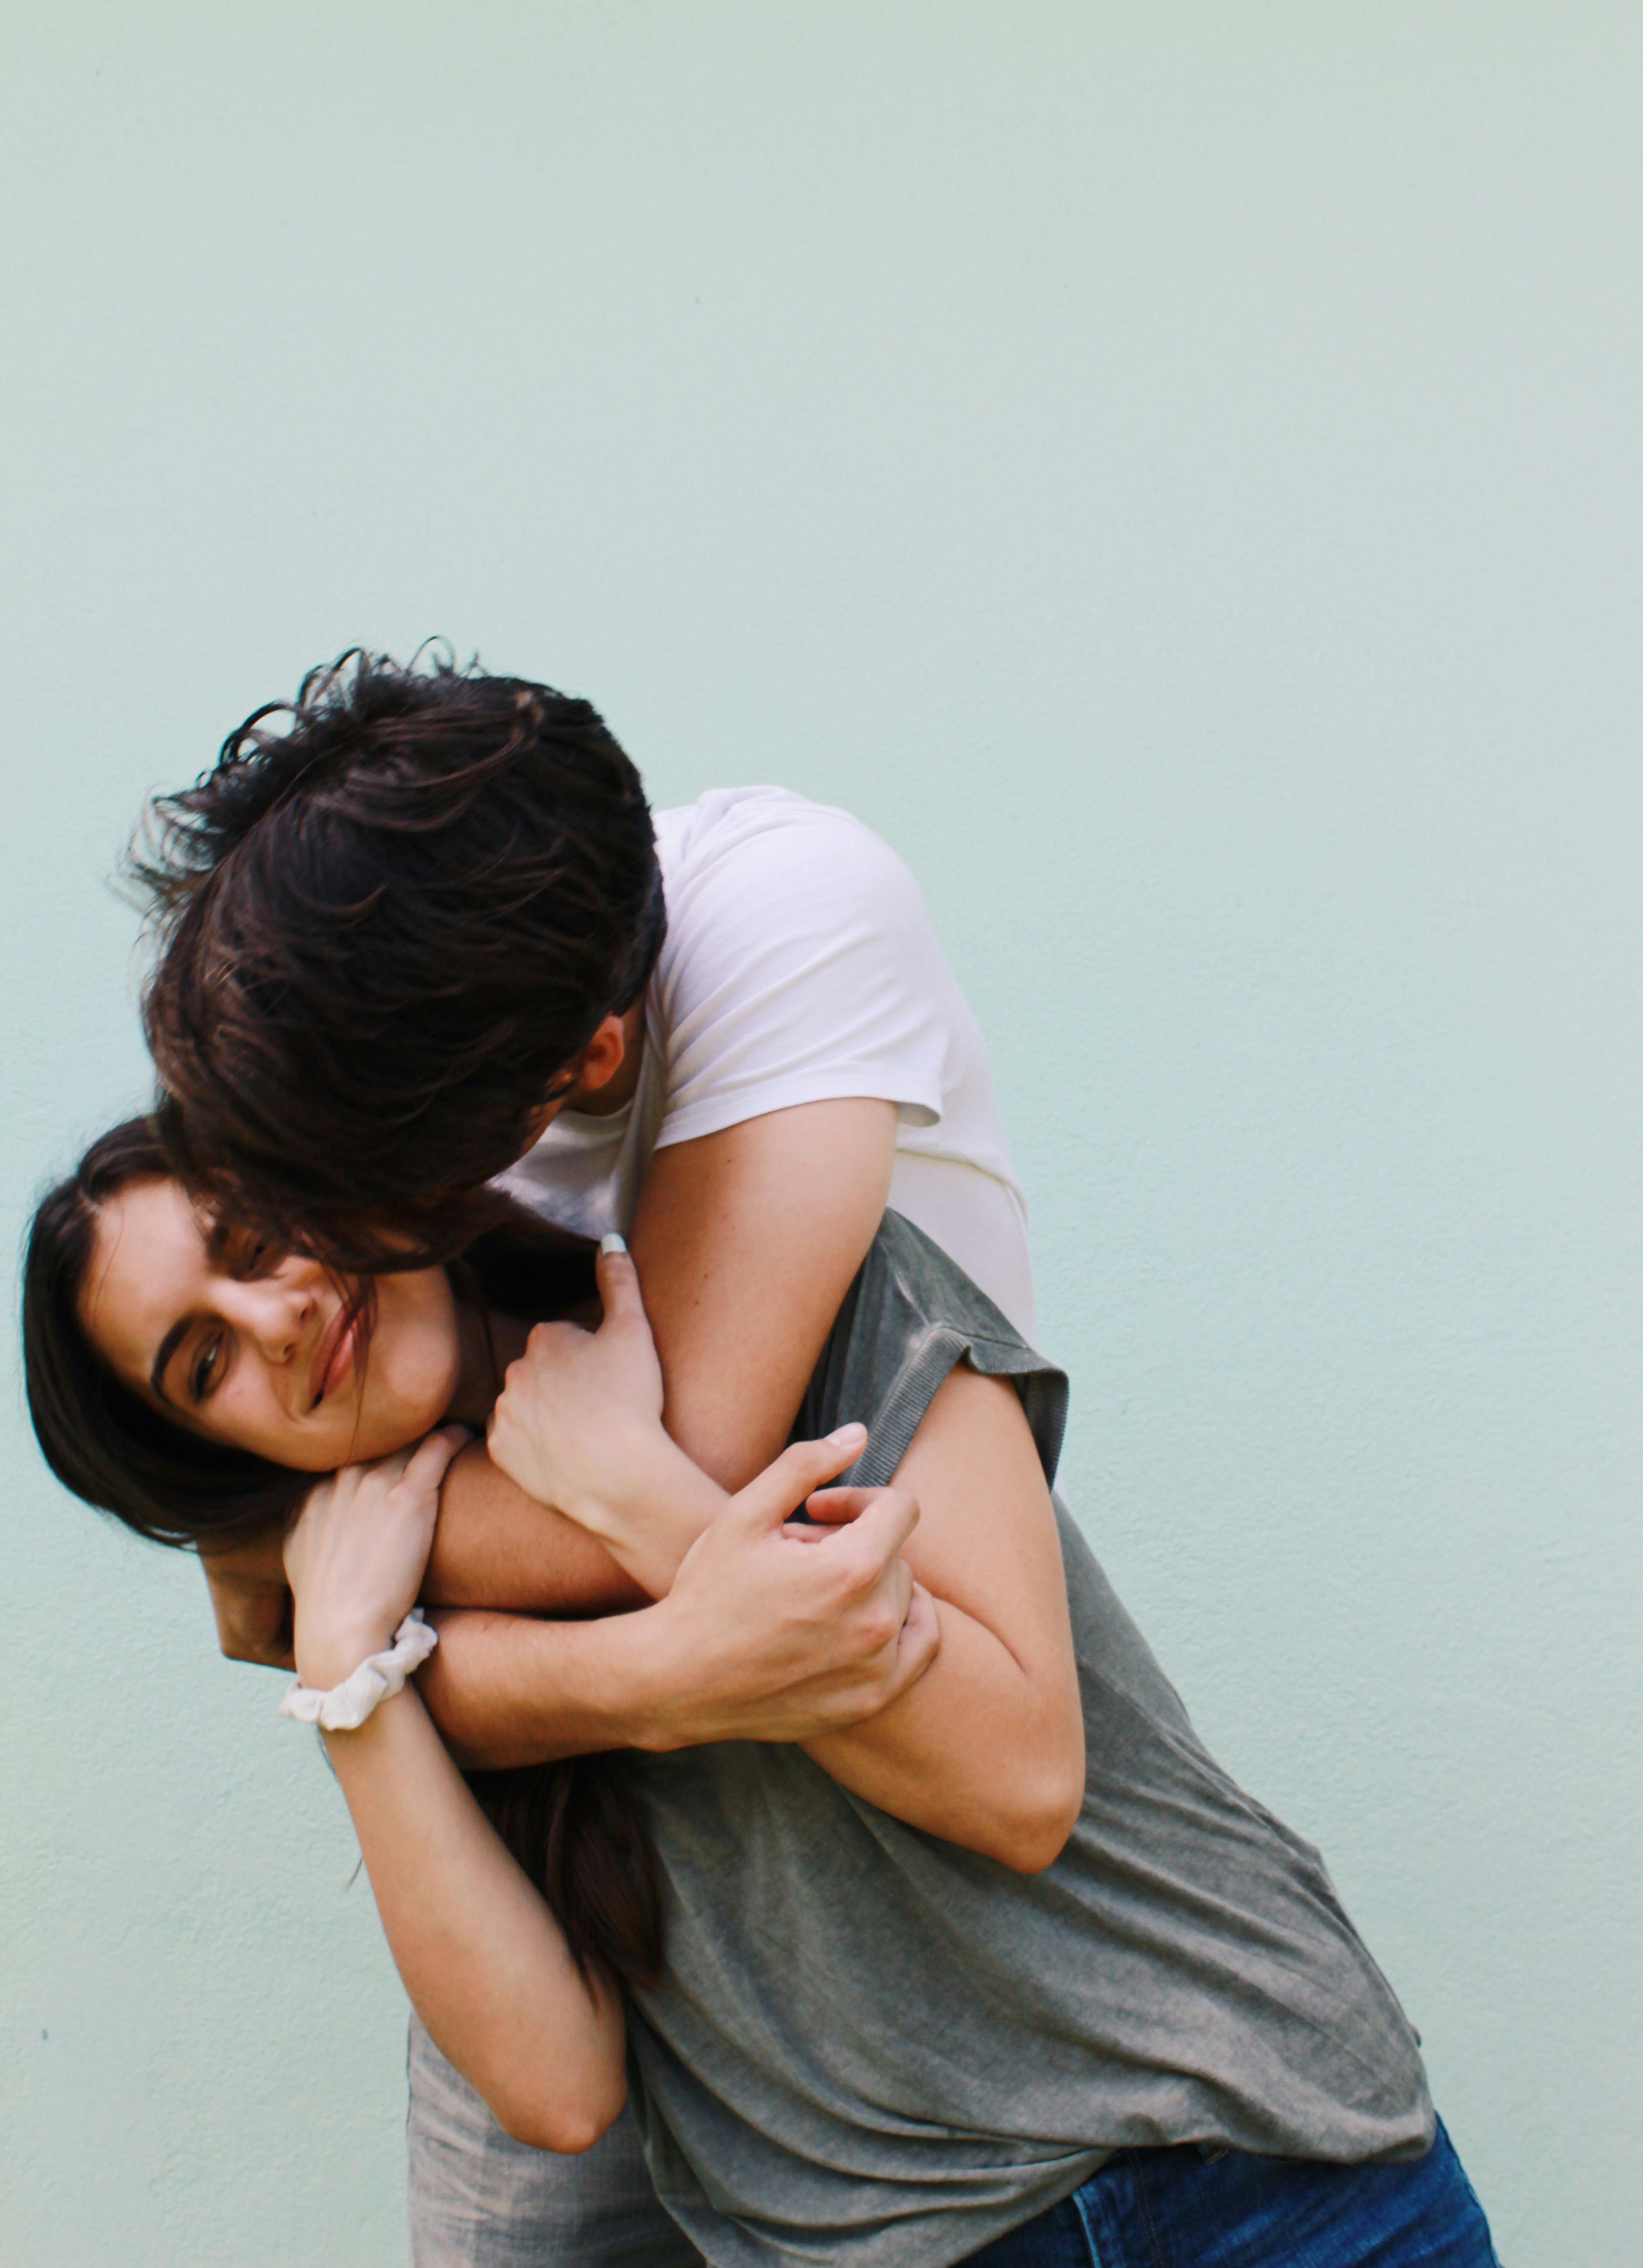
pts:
[476, 1948]
[987, 1749]
[480, 1956]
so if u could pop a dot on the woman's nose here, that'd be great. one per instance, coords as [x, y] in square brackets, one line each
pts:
[275, 1310]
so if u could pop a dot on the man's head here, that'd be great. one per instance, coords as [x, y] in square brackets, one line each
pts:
[386, 934]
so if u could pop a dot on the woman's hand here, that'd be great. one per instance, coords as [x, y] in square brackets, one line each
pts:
[356, 1557]
[579, 1424]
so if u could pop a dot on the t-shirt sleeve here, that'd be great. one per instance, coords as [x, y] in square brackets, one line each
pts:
[908, 1318]
[800, 967]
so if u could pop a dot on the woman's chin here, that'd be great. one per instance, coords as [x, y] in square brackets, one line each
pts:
[380, 1431]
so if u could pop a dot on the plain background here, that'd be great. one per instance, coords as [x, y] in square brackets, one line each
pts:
[1175, 471]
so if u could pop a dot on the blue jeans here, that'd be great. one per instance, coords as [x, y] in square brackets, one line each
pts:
[1182, 2209]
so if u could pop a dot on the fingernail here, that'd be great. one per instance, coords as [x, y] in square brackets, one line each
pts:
[613, 1242]
[845, 1433]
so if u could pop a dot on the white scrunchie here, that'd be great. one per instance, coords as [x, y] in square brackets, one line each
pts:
[345, 1707]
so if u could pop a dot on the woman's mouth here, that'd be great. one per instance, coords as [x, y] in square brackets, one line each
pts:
[336, 1354]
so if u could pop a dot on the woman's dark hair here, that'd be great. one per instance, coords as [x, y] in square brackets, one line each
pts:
[384, 933]
[574, 1827]
[103, 1441]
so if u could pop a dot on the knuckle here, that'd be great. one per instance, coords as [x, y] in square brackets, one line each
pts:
[879, 1625]
[846, 1580]
[866, 1569]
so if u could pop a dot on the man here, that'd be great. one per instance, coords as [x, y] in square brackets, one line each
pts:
[427, 937]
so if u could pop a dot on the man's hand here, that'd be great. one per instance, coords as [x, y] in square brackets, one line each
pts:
[252, 1600]
[578, 1423]
[780, 1634]
[578, 1426]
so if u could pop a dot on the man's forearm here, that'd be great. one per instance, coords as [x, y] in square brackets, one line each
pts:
[496, 1547]
[506, 1689]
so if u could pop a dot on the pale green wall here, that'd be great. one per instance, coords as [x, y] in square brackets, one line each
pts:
[1176, 470]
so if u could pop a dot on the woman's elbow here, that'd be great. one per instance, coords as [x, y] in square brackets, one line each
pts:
[1044, 1814]
[1033, 1843]
[564, 2126]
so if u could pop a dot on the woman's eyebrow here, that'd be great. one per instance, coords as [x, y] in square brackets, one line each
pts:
[168, 1346]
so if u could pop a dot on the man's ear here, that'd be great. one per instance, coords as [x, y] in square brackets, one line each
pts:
[603, 1056]
[592, 1071]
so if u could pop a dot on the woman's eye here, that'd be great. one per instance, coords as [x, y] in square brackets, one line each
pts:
[206, 1369]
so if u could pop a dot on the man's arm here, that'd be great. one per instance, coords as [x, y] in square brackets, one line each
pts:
[753, 1647]
[760, 1637]
[496, 1547]
[747, 1241]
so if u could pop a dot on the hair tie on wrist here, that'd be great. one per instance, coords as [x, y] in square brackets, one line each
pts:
[345, 1707]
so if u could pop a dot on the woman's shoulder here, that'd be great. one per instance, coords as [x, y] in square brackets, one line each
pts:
[910, 1316]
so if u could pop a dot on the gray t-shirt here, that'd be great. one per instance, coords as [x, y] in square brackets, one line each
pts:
[872, 2049]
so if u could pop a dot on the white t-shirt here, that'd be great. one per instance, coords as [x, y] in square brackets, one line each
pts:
[800, 966]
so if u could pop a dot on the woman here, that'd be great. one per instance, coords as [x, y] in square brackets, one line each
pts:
[868, 2040]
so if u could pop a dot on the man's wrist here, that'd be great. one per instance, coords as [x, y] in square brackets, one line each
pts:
[653, 1676]
[650, 1521]
[656, 1695]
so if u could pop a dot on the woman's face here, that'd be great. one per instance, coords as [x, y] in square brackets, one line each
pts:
[260, 1348]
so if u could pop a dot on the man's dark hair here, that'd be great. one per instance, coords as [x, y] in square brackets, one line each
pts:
[387, 925]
